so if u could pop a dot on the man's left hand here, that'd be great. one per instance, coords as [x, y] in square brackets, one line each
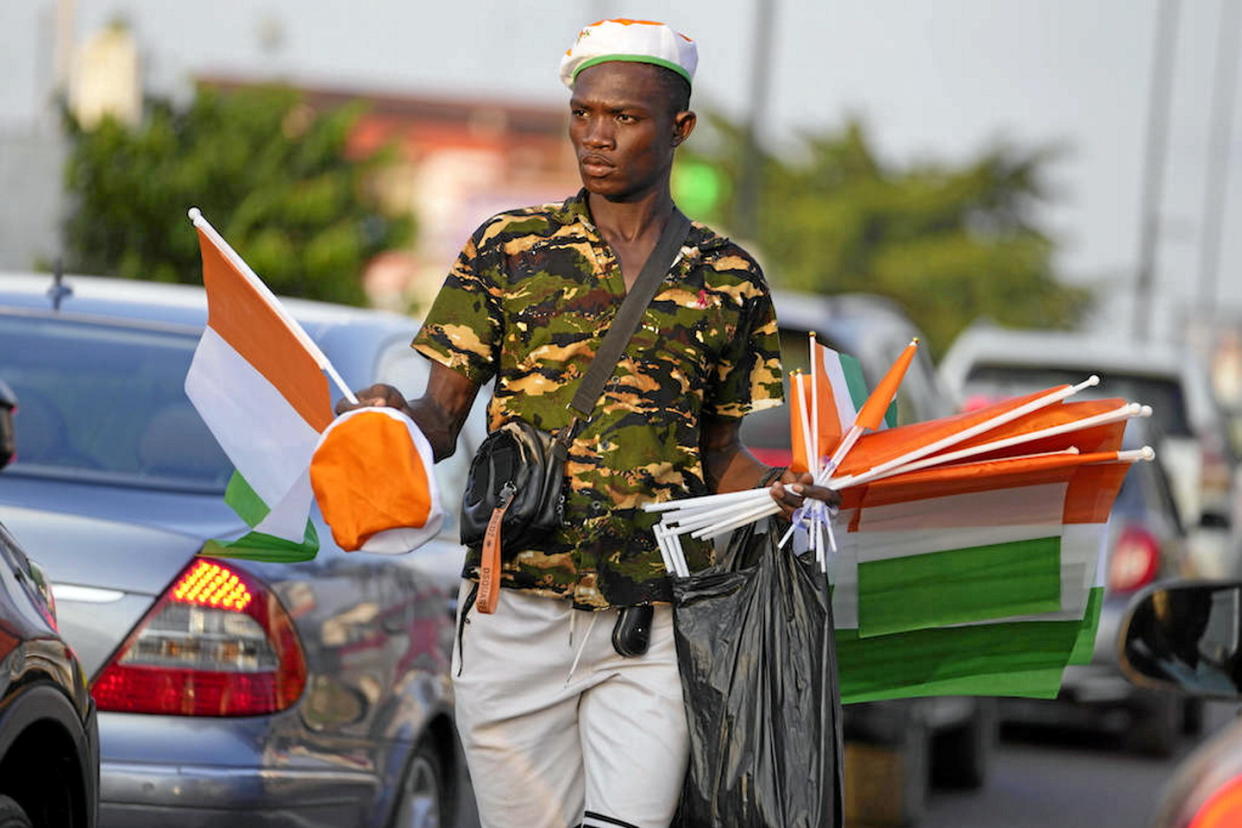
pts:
[792, 489]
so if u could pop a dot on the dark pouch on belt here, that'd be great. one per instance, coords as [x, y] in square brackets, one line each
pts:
[632, 633]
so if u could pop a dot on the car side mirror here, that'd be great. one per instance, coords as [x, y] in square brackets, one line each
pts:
[8, 435]
[1186, 636]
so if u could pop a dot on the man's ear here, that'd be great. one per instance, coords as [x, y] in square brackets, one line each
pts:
[683, 125]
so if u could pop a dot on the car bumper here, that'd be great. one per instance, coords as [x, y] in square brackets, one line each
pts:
[140, 795]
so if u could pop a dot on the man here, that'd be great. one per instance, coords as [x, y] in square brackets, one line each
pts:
[559, 729]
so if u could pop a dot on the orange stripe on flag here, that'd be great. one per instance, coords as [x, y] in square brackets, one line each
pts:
[872, 412]
[799, 400]
[1092, 492]
[874, 448]
[967, 478]
[830, 430]
[1087, 440]
[244, 318]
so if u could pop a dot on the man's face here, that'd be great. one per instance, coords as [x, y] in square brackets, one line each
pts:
[623, 128]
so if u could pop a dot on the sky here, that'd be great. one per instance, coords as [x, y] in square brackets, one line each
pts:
[931, 79]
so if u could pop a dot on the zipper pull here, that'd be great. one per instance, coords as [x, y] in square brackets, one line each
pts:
[507, 492]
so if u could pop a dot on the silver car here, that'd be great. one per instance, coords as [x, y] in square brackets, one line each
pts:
[1152, 526]
[230, 692]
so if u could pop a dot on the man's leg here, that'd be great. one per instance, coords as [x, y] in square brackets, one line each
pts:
[633, 730]
[517, 720]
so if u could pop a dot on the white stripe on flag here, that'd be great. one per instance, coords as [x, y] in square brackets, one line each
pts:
[1042, 503]
[264, 437]
[883, 546]
[846, 412]
[287, 519]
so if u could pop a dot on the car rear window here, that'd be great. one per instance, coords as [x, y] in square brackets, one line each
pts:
[106, 402]
[1164, 395]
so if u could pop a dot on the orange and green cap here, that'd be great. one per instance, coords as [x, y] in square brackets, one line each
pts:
[637, 41]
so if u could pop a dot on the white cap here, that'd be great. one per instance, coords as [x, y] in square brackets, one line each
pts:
[637, 41]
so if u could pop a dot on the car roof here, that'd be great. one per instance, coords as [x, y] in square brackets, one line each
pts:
[1062, 349]
[350, 336]
[986, 344]
[155, 301]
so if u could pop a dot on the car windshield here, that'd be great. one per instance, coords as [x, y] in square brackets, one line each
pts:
[106, 402]
[1164, 395]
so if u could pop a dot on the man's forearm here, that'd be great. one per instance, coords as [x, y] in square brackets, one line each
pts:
[438, 425]
[727, 464]
[735, 470]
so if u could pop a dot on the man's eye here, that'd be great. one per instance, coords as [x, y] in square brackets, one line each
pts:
[578, 113]
[626, 119]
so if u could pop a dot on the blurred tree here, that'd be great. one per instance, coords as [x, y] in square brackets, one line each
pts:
[268, 171]
[950, 243]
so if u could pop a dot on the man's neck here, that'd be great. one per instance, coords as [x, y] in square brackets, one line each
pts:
[630, 219]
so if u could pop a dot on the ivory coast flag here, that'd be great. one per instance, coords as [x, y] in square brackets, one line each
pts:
[978, 578]
[257, 381]
[842, 391]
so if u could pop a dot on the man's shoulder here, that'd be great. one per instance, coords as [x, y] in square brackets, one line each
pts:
[535, 220]
[725, 256]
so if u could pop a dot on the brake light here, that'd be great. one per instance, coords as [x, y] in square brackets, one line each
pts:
[1135, 560]
[1223, 808]
[216, 643]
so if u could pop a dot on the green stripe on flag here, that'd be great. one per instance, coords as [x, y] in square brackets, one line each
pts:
[243, 500]
[890, 416]
[1018, 658]
[959, 586]
[258, 546]
[1085, 645]
[854, 380]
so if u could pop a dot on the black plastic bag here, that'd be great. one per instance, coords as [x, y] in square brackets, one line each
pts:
[758, 669]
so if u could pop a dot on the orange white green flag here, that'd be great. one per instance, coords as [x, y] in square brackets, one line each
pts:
[981, 577]
[257, 381]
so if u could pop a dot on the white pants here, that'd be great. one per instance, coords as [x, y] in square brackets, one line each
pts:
[603, 747]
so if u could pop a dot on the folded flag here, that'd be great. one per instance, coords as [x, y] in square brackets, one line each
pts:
[371, 473]
[257, 382]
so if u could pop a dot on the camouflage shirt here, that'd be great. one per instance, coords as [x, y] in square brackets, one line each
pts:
[528, 302]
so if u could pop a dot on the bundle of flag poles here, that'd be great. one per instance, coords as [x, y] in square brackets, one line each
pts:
[966, 555]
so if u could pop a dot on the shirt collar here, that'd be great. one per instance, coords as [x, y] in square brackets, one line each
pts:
[574, 209]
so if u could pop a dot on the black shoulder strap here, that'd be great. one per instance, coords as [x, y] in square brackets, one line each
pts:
[630, 314]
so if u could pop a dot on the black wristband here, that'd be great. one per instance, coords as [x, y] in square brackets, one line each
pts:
[770, 476]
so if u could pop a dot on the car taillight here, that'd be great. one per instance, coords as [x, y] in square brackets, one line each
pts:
[1223, 809]
[216, 643]
[1135, 560]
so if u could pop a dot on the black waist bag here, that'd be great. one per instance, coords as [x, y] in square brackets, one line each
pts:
[517, 477]
[520, 467]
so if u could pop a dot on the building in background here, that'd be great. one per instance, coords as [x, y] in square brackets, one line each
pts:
[460, 161]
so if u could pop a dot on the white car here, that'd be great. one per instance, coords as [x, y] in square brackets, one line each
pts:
[987, 363]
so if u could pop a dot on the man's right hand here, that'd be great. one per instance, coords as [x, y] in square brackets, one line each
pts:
[378, 395]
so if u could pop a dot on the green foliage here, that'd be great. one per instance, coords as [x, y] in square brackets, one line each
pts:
[268, 172]
[950, 243]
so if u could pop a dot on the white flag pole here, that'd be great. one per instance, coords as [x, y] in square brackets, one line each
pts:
[965, 434]
[814, 460]
[321, 359]
[690, 504]
[1124, 412]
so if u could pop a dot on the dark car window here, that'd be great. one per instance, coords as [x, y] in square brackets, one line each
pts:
[107, 402]
[1162, 394]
